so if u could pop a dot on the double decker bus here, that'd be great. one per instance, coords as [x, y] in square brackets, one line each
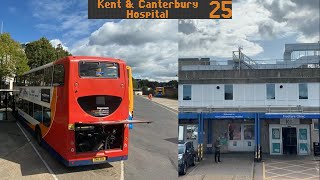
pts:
[79, 108]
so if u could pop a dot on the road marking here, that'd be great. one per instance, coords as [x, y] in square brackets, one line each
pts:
[263, 171]
[122, 170]
[34, 148]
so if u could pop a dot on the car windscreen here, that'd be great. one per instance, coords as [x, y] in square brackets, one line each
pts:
[98, 69]
[180, 149]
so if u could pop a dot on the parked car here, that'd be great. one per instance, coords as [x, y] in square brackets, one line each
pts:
[186, 156]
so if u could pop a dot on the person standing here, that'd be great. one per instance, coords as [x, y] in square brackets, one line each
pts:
[217, 147]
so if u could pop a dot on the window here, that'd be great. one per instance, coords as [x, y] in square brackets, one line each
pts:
[192, 132]
[48, 76]
[46, 116]
[27, 80]
[186, 92]
[20, 81]
[303, 91]
[58, 75]
[37, 113]
[31, 78]
[315, 124]
[30, 109]
[25, 106]
[20, 103]
[99, 69]
[228, 92]
[248, 132]
[38, 78]
[271, 93]
[234, 131]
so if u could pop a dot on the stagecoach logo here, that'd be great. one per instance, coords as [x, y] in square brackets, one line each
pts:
[45, 95]
[103, 111]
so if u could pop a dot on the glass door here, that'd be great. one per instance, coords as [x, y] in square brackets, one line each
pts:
[303, 140]
[275, 140]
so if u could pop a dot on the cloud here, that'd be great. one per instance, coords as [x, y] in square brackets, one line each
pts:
[253, 22]
[149, 46]
[56, 42]
[301, 16]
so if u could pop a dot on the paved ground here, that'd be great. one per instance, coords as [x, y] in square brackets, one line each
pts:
[17, 157]
[153, 147]
[171, 103]
[292, 167]
[18, 160]
[235, 166]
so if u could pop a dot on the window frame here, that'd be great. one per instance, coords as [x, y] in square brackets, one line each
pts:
[274, 91]
[183, 92]
[225, 92]
[300, 86]
[89, 77]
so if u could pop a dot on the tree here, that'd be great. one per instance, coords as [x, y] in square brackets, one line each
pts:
[61, 53]
[13, 60]
[41, 52]
[135, 84]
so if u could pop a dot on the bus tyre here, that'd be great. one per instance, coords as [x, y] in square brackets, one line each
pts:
[38, 135]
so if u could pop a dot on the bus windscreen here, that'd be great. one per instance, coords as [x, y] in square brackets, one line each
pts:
[98, 69]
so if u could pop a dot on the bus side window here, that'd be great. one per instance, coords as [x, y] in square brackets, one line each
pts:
[38, 78]
[20, 103]
[25, 106]
[37, 113]
[58, 75]
[48, 76]
[32, 80]
[30, 109]
[26, 80]
[46, 116]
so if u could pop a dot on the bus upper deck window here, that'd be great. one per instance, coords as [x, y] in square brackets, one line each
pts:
[98, 69]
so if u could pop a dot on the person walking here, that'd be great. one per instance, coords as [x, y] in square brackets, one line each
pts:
[217, 147]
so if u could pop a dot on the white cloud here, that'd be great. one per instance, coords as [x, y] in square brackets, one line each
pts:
[251, 22]
[56, 42]
[149, 46]
[254, 21]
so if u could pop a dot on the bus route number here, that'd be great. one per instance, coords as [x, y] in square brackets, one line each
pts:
[227, 11]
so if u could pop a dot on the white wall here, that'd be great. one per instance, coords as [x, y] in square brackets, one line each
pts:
[250, 95]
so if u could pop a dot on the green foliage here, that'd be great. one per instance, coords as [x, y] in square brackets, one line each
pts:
[12, 57]
[41, 52]
[135, 84]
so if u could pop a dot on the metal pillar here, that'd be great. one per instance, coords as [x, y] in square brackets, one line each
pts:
[199, 136]
[257, 154]
[209, 137]
[319, 128]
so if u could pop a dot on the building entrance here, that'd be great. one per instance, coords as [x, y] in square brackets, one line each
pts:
[289, 139]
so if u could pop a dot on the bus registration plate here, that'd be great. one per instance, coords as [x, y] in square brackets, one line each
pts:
[99, 159]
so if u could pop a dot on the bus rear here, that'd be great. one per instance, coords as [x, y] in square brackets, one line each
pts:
[98, 110]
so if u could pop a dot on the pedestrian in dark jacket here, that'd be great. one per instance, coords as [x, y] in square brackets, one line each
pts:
[217, 147]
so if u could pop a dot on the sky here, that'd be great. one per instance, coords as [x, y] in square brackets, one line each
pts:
[152, 47]
[260, 27]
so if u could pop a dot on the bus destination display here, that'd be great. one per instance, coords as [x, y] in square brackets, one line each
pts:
[159, 9]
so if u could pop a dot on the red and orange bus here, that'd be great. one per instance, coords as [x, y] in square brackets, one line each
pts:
[79, 108]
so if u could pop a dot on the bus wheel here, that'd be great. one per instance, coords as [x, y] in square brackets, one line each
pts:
[38, 135]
